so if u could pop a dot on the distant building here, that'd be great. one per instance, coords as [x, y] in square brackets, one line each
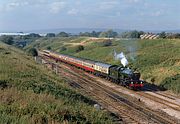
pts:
[149, 36]
[14, 34]
[20, 34]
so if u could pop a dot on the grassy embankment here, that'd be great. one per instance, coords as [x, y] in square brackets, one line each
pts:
[29, 93]
[157, 60]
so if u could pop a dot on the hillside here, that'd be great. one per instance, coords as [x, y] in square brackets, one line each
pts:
[157, 60]
[29, 93]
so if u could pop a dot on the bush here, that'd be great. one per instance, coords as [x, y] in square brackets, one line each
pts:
[172, 83]
[107, 43]
[62, 49]
[33, 52]
[79, 48]
[3, 84]
[7, 39]
[48, 48]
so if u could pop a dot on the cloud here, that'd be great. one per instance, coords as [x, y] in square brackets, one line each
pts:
[157, 13]
[56, 7]
[73, 12]
[108, 5]
[133, 1]
[13, 5]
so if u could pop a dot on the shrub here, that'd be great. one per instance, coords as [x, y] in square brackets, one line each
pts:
[3, 84]
[49, 48]
[7, 39]
[107, 43]
[172, 83]
[7, 52]
[62, 49]
[33, 52]
[79, 48]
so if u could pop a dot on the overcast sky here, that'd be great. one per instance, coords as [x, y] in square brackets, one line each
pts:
[23, 15]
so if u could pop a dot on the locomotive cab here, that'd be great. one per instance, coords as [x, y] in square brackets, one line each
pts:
[133, 77]
[125, 76]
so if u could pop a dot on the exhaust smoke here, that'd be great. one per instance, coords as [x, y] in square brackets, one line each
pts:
[121, 57]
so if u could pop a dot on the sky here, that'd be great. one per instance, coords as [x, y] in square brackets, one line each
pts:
[24, 15]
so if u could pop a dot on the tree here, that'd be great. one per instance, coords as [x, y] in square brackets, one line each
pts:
[33, 52]
[141, 33]
[134, 34]
[63, 34]
[92, 34]
[7, 39]
[177, 35]
[131, 34]
[162, 35]
[109, 34]
[103, 34]
[50, 35]
[34, 35]
[86, 34]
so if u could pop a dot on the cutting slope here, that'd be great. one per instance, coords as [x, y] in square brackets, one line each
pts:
[29, 93]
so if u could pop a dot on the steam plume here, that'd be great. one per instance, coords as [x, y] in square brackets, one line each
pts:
[121, 57]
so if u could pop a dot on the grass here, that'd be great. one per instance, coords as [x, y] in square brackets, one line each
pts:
[29, 93]
[157, 60]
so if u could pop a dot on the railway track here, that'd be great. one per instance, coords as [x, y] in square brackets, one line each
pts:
[124, 107]
[97, 94]
[165, 102]
[168, 103]
[119, 104]
[157, 97]
[108, 104]
[168, 95]
[165, 94]
[137, 108]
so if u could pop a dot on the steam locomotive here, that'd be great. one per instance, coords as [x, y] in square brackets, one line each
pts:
[121, 75]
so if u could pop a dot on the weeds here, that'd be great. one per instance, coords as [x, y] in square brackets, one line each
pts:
[31, 94]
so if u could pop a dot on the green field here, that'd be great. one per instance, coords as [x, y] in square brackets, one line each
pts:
[30, 93]
[157, 60]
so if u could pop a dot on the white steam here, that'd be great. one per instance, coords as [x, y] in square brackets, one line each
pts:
[121, 57]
